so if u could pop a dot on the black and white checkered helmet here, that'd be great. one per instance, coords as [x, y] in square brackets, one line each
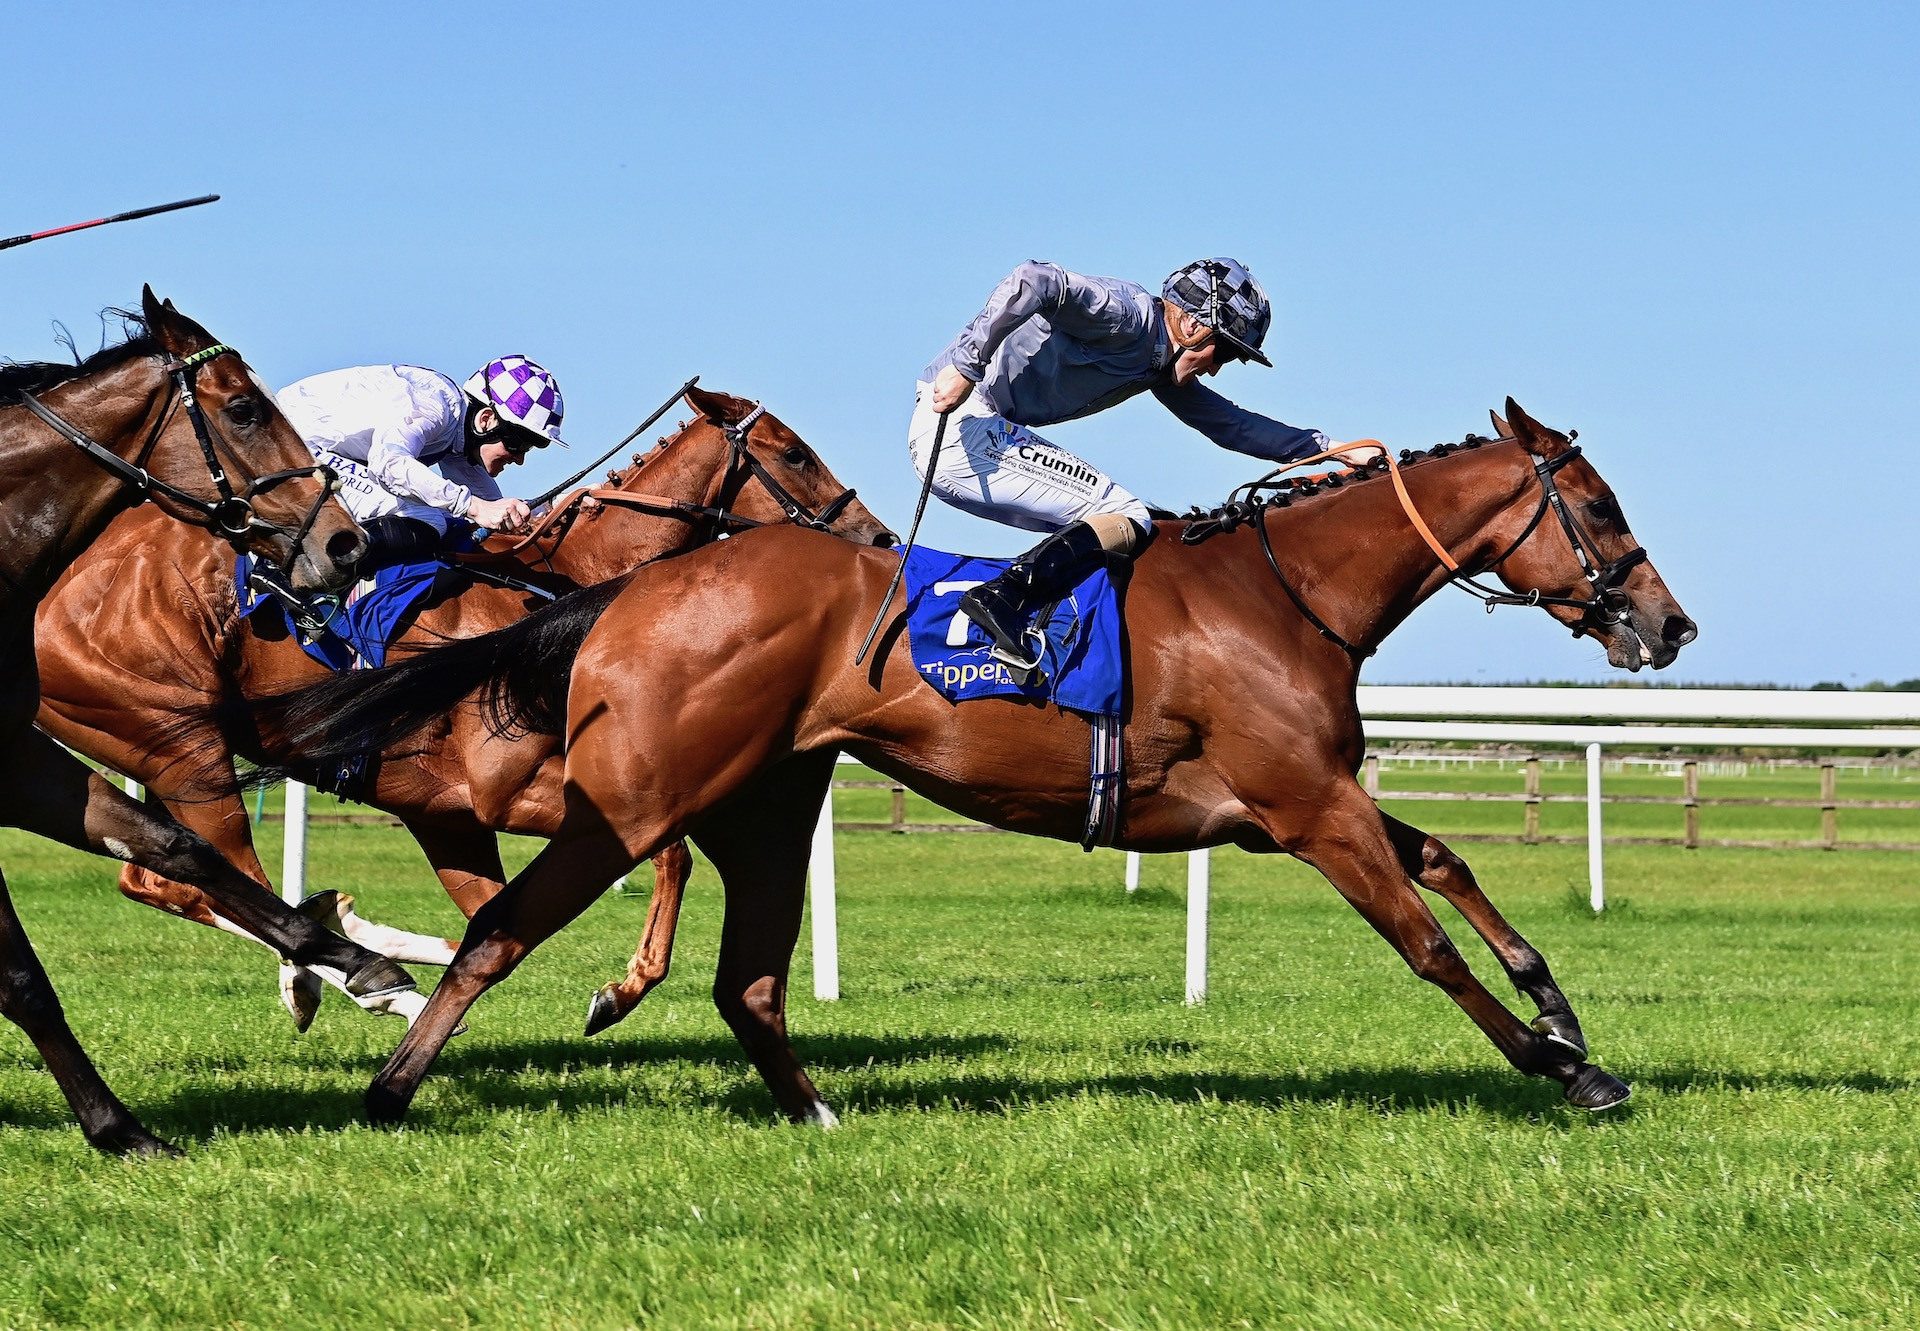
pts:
[1224, 296]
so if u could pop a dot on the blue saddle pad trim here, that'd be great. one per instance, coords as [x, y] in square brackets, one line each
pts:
[357, 637]
[1081, 664]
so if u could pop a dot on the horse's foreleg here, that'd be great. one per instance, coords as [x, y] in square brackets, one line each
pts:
[759, 848]
[27, 999]
[563, 880]
[1348, 842]
[1431, 863]
[672, 868]
[47, 790]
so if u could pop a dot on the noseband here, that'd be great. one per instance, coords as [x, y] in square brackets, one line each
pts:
[232, 516]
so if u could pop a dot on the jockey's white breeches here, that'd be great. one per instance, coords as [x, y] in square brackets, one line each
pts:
[995, 469]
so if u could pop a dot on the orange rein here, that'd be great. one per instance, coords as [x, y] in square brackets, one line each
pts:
[1399, 489]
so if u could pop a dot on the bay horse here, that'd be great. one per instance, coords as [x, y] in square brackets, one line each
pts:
[734, 466]
[1243, 650]
[175, 416]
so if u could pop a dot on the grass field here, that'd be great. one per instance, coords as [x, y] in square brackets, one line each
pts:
[1037, 1132]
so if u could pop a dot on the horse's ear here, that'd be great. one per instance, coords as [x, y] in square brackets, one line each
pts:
[1501, 430]
[175, 332]
[720, 408]
[1533, 436]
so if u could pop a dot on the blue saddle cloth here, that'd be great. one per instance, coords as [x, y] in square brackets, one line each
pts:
[1081, 664]
[359, 633]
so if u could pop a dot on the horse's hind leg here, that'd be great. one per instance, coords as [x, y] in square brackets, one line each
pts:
[47, 790]
[27, 999]
[563, 880]
[758, 843]
[1431, 863]
[1348, 842]
[611, 1003]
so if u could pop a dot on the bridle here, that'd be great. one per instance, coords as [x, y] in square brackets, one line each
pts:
[1606, 606]
[797, 513]
[741, 464]
[232, 516]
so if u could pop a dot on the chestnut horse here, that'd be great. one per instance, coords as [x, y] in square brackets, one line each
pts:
[458, 786]
[175, 416]
[1241, 726]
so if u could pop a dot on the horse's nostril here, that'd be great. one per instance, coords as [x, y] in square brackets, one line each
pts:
[886, 540]
[344, 548]
[1679, 630]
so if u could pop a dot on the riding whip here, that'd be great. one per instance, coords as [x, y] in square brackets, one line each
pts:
[11, 241]
[637, 431]
[926, 488]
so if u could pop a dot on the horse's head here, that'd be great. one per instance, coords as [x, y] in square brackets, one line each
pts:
[775, 476]
[1581, 551]
[284, 510]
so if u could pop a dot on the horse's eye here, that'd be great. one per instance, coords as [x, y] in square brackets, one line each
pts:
[244, 412]
[796, 456]
[1605, 510]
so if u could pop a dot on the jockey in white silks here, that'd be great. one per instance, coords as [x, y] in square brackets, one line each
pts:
[1053, 345]
[415, 452]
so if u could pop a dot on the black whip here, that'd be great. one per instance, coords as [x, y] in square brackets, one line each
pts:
[926, 488]
[637, 431]
[11, 241]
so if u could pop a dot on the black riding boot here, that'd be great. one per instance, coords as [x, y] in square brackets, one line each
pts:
[396, 540]
[1044, 573]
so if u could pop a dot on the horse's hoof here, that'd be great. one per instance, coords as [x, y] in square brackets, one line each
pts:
[604, 1009]
[300, 993]
[1596, 1089]
[135, 1143]
[386, 1106]
[378, 979]
[1563, 1030]
[322, 907]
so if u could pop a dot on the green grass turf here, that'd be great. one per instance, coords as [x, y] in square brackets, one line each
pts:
[1037, 1132]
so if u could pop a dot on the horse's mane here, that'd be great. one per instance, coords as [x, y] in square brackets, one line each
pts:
[1290, 491]
[18, 378]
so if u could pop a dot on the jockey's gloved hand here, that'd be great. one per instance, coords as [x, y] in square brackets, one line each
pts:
[507, 515]
[1358, 453]
[950, 389]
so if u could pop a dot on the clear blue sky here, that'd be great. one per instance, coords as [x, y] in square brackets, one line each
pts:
[1689, 231]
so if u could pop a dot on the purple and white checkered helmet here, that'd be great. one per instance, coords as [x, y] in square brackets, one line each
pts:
[523, 393]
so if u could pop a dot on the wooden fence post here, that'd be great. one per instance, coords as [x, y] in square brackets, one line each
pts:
[1532, 832]
[1690, 792]
[1370, 775]
[898, 822]
[1829, 811]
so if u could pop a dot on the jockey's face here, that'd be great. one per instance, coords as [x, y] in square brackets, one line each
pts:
[1205, 359]
[508, 448]
[499, 454]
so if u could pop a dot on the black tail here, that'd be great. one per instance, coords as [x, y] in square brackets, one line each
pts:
[523, 667]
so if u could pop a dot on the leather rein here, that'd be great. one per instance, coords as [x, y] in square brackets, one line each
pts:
[740, 463]
[1606, 606]
[232, 516]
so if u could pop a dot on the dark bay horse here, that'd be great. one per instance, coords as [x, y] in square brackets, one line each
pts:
[454, 787]
[176, 416]
[1242, 726]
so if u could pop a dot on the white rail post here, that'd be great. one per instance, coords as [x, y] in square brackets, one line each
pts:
[1198, 880]
[1596, 843]
[826, 921]
[1133, 871]
[135, 791]
[293, 856]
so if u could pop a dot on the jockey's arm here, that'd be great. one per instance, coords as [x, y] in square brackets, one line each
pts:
[1233, 426]
[393, 457]
[1071, 303]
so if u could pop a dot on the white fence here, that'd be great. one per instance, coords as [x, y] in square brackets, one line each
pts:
[1584, 718]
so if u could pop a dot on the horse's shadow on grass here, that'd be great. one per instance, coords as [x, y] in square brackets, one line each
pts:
[575, 1076]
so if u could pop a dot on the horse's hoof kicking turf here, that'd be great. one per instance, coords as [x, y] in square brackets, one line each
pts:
[136, 1143]
[321, 907]
[1564, 1032]
[379, 978]
[603, 1009]
[1595, 1088]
